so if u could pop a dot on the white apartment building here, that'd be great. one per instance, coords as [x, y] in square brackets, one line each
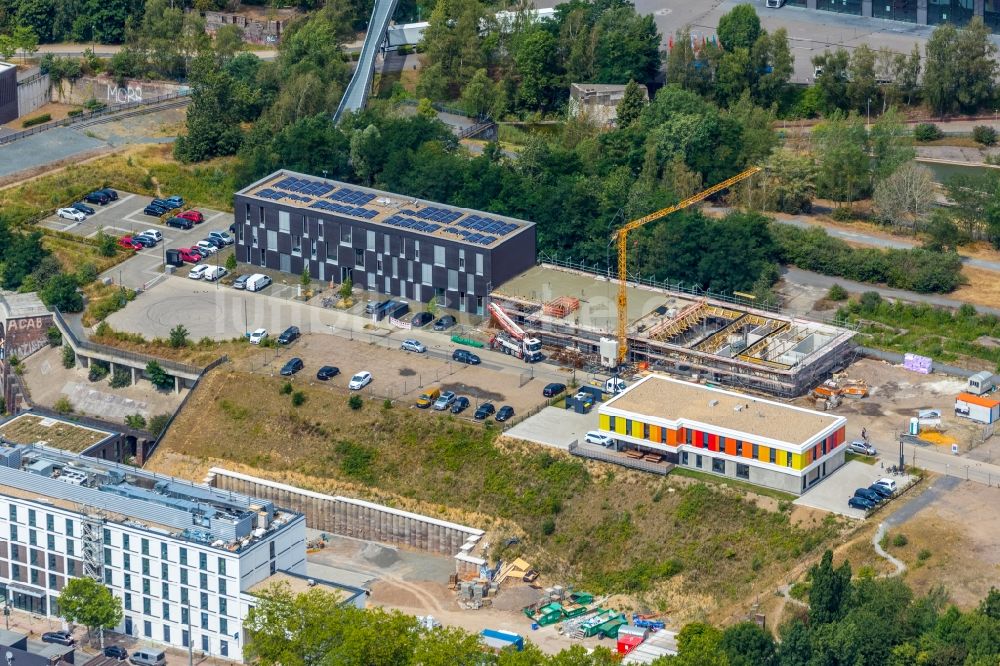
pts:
[182, 557]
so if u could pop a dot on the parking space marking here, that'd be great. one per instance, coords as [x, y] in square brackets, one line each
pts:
[119, 202]
[213, 217]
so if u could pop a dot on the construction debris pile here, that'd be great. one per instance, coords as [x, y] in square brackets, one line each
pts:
[829, 394]
[477, 589]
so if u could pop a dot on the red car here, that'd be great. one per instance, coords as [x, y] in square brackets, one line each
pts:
[193, 215]
[129, 243]
[187, 255]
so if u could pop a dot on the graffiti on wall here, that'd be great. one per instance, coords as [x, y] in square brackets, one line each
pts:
[123, 95]
[25, 335]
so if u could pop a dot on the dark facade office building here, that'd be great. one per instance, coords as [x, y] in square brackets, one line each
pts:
[383, 242]
[920, 12]
[8, 92]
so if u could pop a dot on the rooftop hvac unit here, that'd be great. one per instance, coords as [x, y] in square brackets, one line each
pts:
[73, 477]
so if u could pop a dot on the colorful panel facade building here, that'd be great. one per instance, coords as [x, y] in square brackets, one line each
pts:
[721, 432]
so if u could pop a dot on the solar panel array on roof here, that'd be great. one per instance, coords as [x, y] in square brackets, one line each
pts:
[487, 225]
[303, 186]
[472, 237]
[410, 223]
[434, 214]
[347, 195]
[357, 211]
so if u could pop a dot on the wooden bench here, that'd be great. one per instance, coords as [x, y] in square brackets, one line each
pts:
[633, 454]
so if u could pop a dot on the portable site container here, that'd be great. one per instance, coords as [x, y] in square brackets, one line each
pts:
[502, 640]
[977, 408]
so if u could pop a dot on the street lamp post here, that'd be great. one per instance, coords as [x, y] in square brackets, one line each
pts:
[869, 113]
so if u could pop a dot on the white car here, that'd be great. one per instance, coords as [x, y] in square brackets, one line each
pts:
[360, 380]
[413, 346]
[222, 236]
[258, 336]
[888, 484]
[154, 234]
[206, 246]
[215, 272]
[198, 272]
[595, 437]
[71, 214]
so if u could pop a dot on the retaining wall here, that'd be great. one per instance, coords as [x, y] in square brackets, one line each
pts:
[32, 93]
[359, 519]
[107, 90]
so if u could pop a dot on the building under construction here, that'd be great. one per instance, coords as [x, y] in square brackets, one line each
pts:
[721, 342]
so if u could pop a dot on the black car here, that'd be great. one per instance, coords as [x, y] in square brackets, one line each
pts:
[289, 335]
[154, 211]
[505, 413]
[421, 319]
[97, 198]
[145, 241]
[293, 366]
[869, 495]
[217, 242]
[111, 193]
[460, 405]
[180, 223]
[83, 208]
[465, 356]
[881, 491]
[165, 204]
[553, 389]
[444, 323]
[58, 637]
[116, 652]
[484, 410]
[174, 200]
[860, 503]
[327, 372]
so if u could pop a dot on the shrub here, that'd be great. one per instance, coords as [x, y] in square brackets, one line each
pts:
[286, 389]
[98, 371]
[37, 120]
[68, 357]
[387, 404]
[923, 555]
[984, 135]
[178, 336]
[231, 262]
[86, 274]
[93, 104]
[63, 406]
[137, 421]
[298, 399]
[158, 423]
[54, 336]
[73, 113]
[927, 132]
[900, 540]
[549, 527]
[355, 402]
[842, 214]
[837, 293]
[159, 376]
[121, 378]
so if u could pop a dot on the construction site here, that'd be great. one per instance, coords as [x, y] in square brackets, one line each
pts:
[698, 337]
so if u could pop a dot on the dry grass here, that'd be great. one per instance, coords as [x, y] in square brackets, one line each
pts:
[28, 429]
[197, 352]
[57, 110]
[983, 287]
[73, 254]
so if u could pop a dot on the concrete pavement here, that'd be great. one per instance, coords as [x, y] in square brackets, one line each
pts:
[952, 465]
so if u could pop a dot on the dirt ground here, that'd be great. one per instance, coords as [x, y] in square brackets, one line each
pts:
[983, 287]
[397, 374]
[57, 110]
[896, 395]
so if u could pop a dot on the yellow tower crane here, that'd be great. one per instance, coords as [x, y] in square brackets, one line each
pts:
[622, 237]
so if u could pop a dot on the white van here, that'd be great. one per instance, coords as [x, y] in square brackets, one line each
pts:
[213, 273]
[257, 282]
[149, 657]
[775, 4]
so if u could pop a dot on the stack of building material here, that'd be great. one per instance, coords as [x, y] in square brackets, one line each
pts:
[662, 643]
[561, 306]
[516, 569]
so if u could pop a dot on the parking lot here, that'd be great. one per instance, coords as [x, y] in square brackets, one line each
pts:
[125, 217]
[832, 493]
[555, 427]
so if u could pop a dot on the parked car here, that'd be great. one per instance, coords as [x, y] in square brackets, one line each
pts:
[58, 637]
[374, 306]
[206, 246]
[291, 367]
[116, 652]
[484, 410]
[360, 380]
[179, 223]
[154, 211]
[222, 236]
[187, 255]
[215, 273]
[595, 437]
[111, 193]
[505, 413]
[97, 197]
[460, 405]
[71, 214]
[176, 200]
[869, 495]
[258, 336]
[129, 243]
[327, 372]
[198, 272]
[144, 240]
[195, 216]
[883, 492]
[413, 346]
[421, 319]
[241, 281]
[888, 484]
[83, 208]
[444, 323]
[257, 281]
[428, 397]
[465, 356]
[216, 243]
[199, 252]
[553, 389]
[860, 503]
[862, 448]
[154, 234]
[162, 203]
[445, 400]
[289, 335]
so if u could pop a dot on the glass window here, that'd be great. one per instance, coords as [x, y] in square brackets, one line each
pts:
[203, 600]
[128, 581]
[125, 541]
[164, 571]
[956, 12]
[204, 641]
[684, 457]
[166, 631]
[370, 241]
[70, 567]
[108, 576]
[145, 546]
[12, 512]
[147, 628]
[185, 637]
[203, 581]
[34, 576]
[107, 537]
[32, 556]
[50, 542]
[15, 551]
[697, 461]
[107, 556]
[718, 465]
[50, 522]
[359, 258]
[127, 561]
[32, 537]
[284, 222]
[15, 571]
[840, 6]
[31, 517]
[145, 586]
[13, 532]
[52, 561]
[163, 550]
[222, 586]
[742, 471]
[184, 596]
[895, 10]
[204, 620]
[128, 601]
[70, 547]
[52, 581]
[223, 607]
[69, 527]
[739, 448]
[222, 566]
[224, 648]
[165, 591]
[184, 615]
[184, 576]
[166, 611]
[145, 566]
[773, 457]
[147, 606]
[184, 556]
[202, 561]
[754, 452]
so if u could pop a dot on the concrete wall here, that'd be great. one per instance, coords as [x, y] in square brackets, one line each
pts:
[356, 518]
[107, 90]
[8, 93]
[32, 92]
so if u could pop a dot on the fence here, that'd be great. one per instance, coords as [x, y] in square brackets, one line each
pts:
[112, 110]
[634, 463]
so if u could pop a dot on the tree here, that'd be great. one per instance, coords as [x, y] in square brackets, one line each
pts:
[905, 76]
[452, 39]
[27, 40]
[773, 57]
[218, 104]
[158, 423]
[8, 47]
[158, 376]
[832, 79]
[688, 68]
[86, 601]
[888, 146]
[178, 337]
[68, 357]
[478, 95]
[425, 108]
[862, 89]
[841, 144]
[305, 278]
[346, 289]
[367, 150]
[626, 46]
[107, 246]
[829, 596]
[61, 292]
[960, 67]
[699, 644]
[905, 198]
[746, 644]
[137, 421]
[630, 108]
[231, 262]
[942, 234]
[536, 66]
[984, 135]
[739, 28]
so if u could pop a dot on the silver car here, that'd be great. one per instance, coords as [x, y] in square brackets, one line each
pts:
[241, 281]
[413, 346]
[444, 401]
